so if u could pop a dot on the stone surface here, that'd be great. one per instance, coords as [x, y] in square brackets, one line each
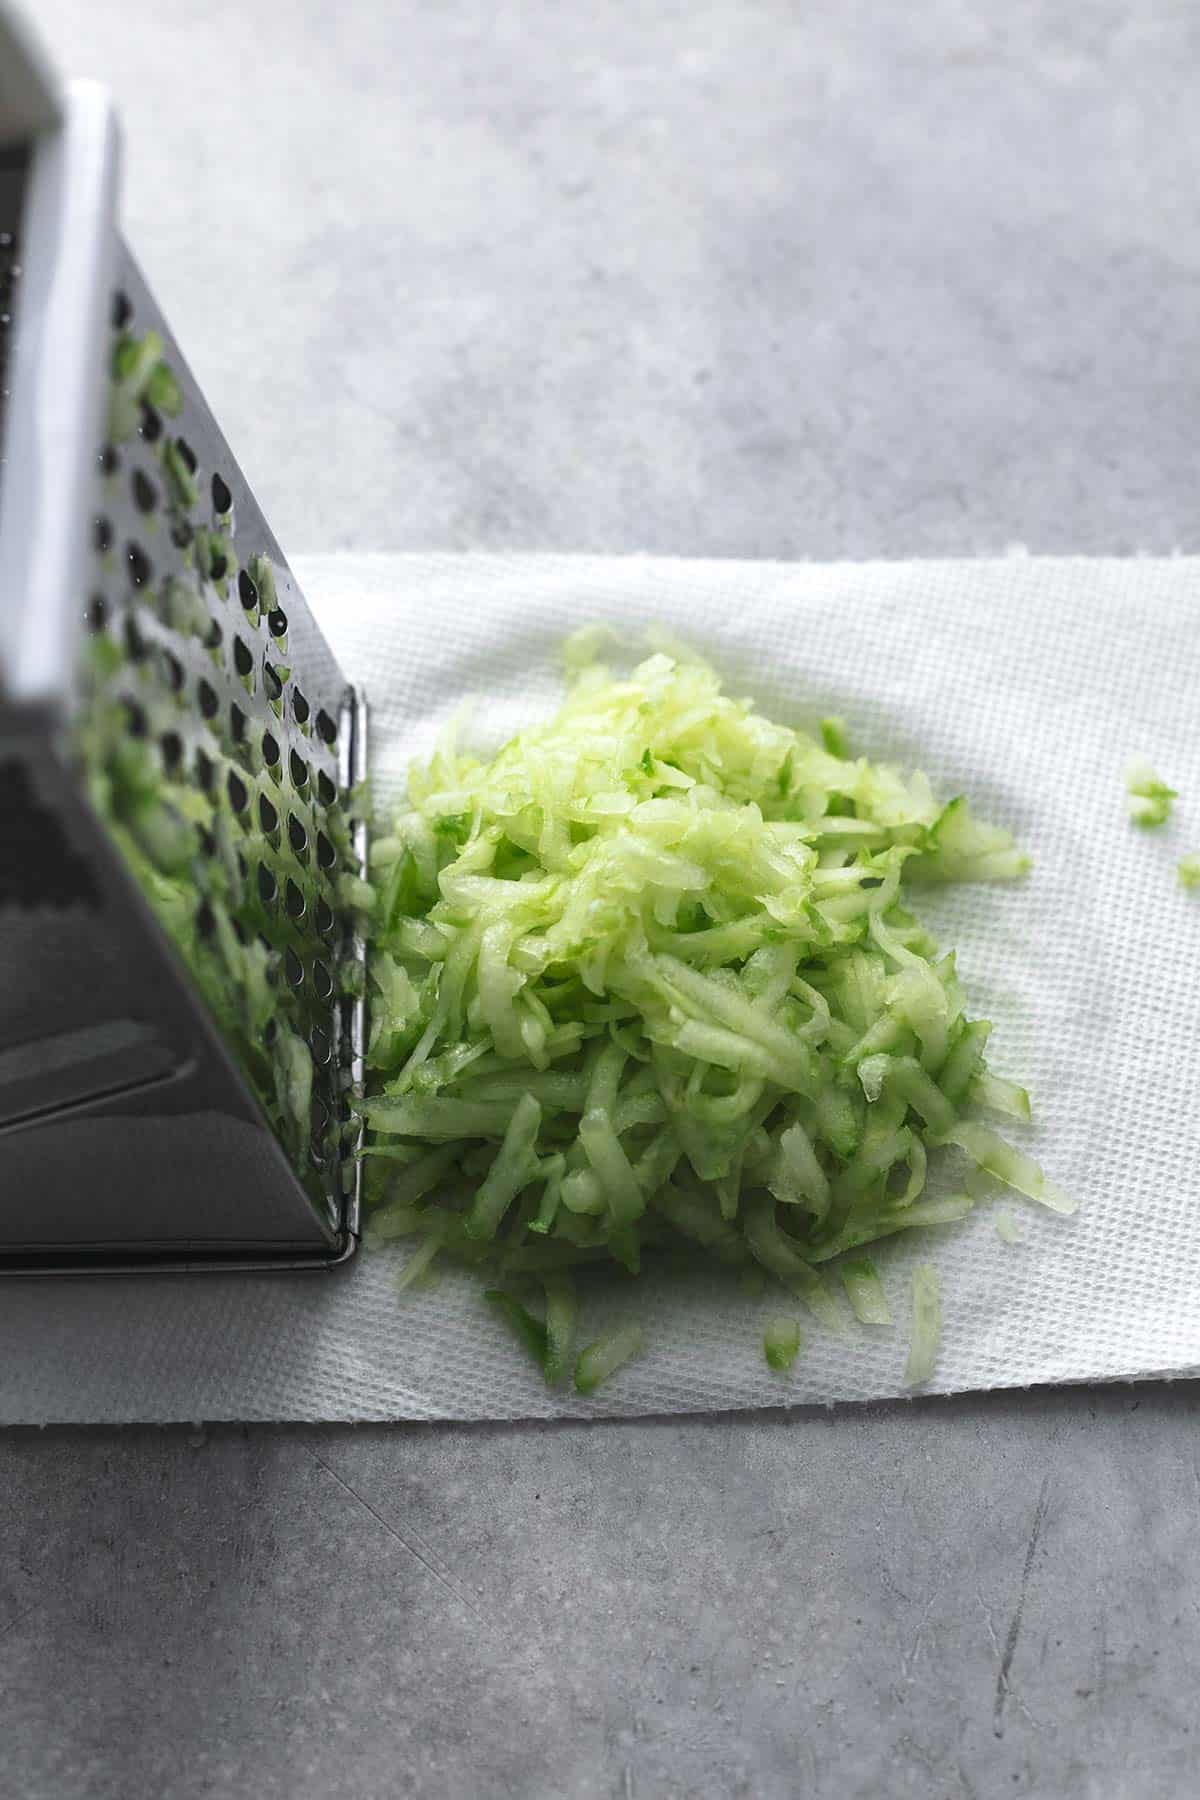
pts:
[716, 277]
[972, 1597]
[719, 278]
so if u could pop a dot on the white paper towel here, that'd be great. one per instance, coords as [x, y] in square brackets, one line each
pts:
[1027, 684]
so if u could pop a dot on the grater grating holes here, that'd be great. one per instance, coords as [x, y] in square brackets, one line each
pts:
[141, 569]
[145, 494]
[10, 272]
[135, 643]
[136, 721]
[176, 588]
[239, 794]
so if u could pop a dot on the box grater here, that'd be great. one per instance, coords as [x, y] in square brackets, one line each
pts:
[182, 966]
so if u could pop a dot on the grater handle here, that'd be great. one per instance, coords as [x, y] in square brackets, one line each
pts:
[29, 92]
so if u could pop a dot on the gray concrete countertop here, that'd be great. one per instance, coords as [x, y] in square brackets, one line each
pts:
[732, 277]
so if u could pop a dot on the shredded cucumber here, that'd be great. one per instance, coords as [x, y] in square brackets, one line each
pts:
[1189, 871]
[529, 1331]
[606, 1356]
[550, 1340]
[562, 1311]
[926, 1324]
[418, 1263]
[1149, 799]
[1006, 1227]
[781, 1344]
[864, 1290]
[647, 980]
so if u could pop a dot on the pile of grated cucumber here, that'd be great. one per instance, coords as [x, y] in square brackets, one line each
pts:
[648, 978]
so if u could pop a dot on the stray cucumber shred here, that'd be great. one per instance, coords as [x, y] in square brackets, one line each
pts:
[550, 1340]
[1149, 799]
[1006, 1227]
[1189, 871]
[606, 1356]
[562, 1312]
[864, 1290]
[529, 1331]
[418, 1264]
[647, 982]
[781, 1344]
[926, 1325]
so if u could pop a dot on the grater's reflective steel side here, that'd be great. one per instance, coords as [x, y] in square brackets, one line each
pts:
[175, 648]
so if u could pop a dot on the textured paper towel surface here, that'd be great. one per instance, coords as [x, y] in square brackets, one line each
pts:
[1027, 684]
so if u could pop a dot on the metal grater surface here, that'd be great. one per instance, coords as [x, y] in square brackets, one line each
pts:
[222, 685]
[241, 700]
[182, 860]
[12, 178]
[10, 270]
